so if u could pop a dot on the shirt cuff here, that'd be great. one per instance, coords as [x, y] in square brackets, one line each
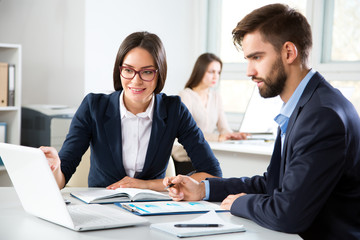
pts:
[207, 189]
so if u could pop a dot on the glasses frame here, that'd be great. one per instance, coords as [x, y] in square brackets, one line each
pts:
[139, 73]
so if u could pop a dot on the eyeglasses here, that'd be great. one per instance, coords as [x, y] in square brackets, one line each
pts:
[146, 75]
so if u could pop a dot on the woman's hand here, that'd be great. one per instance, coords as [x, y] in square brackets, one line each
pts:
[55, 164]
[239, 136]
[233, 136]
[129, 182]
[53, 158]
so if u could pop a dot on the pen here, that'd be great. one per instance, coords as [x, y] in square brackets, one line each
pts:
[172, 184]
[128, 208]
[198, 225]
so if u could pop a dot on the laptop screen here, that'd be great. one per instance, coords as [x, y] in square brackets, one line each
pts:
[260, 113]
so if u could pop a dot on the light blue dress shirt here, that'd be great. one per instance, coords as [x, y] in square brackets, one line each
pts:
[282, 118]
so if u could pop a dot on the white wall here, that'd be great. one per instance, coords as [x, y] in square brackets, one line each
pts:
[181, 25]
[52, 37]
[69, 46]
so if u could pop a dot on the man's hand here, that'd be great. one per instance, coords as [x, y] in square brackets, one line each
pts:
[185, 188]
[229, 200]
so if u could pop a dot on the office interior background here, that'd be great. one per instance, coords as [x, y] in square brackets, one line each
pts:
[69, 47]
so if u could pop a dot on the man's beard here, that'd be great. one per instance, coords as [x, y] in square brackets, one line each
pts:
[275, 82]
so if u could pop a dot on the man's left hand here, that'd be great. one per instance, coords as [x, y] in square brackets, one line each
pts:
[229, 200]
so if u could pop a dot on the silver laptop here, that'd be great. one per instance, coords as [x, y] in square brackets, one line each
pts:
[259, 117]
[40, 196]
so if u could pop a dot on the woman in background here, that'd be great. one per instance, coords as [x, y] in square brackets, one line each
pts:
[205, 104]
[131, 131]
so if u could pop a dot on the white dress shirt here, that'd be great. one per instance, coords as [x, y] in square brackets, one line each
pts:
[136, 130]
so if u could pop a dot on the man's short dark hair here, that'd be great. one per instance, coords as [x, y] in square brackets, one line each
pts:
[277, 24]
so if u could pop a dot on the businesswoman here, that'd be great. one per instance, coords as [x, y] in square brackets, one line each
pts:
[205, 104]
[131, 131]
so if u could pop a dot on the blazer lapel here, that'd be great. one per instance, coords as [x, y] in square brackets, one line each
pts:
[273, 171]
[157, 132]
[305, 97]
[112, 126]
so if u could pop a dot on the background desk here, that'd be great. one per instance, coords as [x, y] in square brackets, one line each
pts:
[242, 159]
[16, 224]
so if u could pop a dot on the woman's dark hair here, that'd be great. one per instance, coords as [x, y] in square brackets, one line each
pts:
[151, 43]
[277, 24]
[200, 68]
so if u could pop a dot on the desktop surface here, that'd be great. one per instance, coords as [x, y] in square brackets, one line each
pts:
[256, 147]
[16, 224]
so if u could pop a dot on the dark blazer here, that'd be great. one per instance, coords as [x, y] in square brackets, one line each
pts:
[314, 188]
[97, 122]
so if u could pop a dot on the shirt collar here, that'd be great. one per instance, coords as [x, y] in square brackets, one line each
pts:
[288, 108]
[124, 113]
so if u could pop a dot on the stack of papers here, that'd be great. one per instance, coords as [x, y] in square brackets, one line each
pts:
[208, 218]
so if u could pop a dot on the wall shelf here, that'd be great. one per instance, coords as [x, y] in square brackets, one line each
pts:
[11, 53]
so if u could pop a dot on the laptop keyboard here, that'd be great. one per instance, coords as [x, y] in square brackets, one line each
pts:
[95, 215]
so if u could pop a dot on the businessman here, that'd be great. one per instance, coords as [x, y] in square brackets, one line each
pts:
[312, 185]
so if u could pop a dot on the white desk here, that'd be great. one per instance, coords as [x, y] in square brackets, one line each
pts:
[243, 159]
[16, 224]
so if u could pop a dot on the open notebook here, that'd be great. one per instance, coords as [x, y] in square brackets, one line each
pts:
[119, 195]
[40, 196]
